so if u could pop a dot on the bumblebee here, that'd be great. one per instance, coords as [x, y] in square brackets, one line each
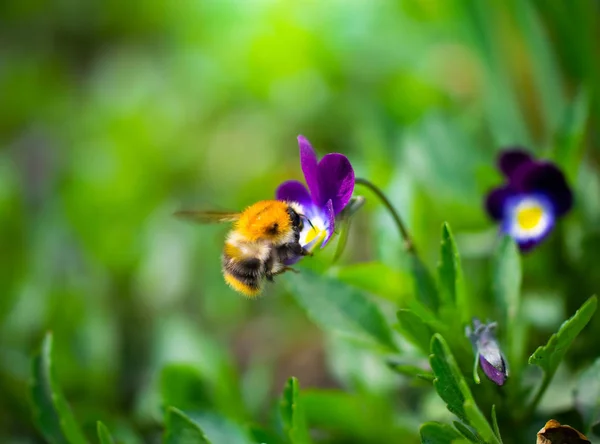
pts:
[265, 236]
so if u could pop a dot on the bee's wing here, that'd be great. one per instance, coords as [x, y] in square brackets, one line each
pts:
[207, 217]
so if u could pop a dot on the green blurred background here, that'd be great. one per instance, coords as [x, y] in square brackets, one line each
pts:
[115, 114]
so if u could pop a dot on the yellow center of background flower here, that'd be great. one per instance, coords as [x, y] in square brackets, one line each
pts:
[529, 217]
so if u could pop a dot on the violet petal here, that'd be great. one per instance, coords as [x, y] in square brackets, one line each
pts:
[512, 158]
[294, 191]
[329, 221]
[496, 375]
[336, 180]
[547, 178]
[496, 199]
[310, 168]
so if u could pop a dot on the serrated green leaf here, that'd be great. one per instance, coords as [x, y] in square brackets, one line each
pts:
[453, 389]
[52, 414]
[447, 383]
[506, 287]
[180, 429]
[466, 432]
[182, 386]
[104, 435]
[495, 423]
[480, 424]
[414, 329]
[549, 356]
[438, 433]
[292, 413]
[424, 285]
[450, 276]
[587, 395]
[341, 309]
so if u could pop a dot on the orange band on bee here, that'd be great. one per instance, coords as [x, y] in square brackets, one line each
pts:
[267, 218]
[240, 287]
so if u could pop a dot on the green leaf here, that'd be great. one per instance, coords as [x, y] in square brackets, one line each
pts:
[414, 329]
[438, 433]
[51, 412]
[292, 413]
[450, 276]
[408, 368]
[182, 386]
[546, 71]
[587, 395]
[506, 279]
[180, 429]
[506, 287]
[570, 146]
[342, 414]
[340, 309]
[425, 289]
[260, 435]
[104, 435]
[467, 432]
[453, 389]
[549, 356]
[376, 278]
[219, 428]
[495, 423]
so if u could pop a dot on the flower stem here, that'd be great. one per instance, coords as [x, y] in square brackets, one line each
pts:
[538, 396]
[409, 246]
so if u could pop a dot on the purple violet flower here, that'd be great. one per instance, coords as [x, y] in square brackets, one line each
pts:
[487, 352]
[330, 185]
[535, 196]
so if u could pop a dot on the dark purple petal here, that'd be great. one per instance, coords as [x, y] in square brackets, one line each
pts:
[310, 168]
[496, 201]
[329, 221]
[496, 375]
[336, 181]
[294, 191]
[512, 158]
[548, 179]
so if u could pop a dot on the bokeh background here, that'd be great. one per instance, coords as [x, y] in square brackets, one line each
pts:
[115, 114]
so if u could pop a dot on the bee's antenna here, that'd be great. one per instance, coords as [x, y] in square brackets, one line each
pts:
[308, 220]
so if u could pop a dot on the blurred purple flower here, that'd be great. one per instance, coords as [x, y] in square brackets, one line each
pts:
[487, 351]
[528, 204]
[330, 185]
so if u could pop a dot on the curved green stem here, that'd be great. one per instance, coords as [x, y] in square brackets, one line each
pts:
[408, 242]
[538, 396]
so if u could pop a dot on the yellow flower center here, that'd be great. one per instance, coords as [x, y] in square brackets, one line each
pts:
[315, 233]
[530, 216]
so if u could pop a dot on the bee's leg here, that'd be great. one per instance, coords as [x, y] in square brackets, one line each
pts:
[299, 250]
[270, 274]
